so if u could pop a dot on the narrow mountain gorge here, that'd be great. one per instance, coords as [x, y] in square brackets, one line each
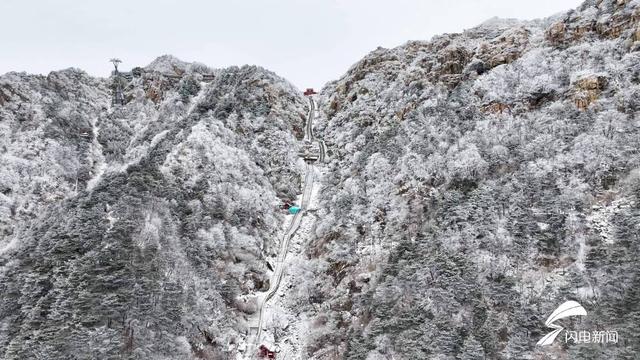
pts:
[474, 182]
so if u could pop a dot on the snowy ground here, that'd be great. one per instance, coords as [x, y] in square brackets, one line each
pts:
[281, 319]
[99, 163]
[283, 328]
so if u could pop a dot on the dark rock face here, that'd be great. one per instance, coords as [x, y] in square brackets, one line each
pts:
[131, 232]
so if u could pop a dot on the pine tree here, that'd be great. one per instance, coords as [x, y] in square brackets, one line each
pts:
[471, 349]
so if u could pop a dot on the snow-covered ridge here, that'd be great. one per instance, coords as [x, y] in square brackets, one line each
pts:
[489, 171]
[169, 201]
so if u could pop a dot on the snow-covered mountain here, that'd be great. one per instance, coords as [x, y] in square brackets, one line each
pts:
[478, 180]
[133, 230]
[475, 182]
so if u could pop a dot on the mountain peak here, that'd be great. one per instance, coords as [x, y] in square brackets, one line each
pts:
[167, 64]
[500, 22]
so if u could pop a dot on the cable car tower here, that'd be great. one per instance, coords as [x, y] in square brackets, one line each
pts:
[118, 92]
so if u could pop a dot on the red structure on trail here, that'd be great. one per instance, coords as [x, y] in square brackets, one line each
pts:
[265, 353]
[309, 91]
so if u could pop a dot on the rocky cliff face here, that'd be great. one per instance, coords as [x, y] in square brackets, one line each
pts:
[478, 181]
[130, 232]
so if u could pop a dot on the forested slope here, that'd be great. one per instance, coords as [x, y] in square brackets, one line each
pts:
[478, 180]
[130, 232]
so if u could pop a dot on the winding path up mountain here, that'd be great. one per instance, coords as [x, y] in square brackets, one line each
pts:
[295, 221]
[308, 129]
